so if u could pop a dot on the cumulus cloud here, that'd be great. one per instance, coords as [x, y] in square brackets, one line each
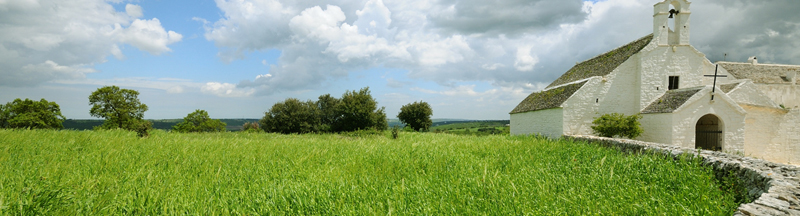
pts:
[510, 44]
[225, 90]
[510, 17]
[134, 11]
[47, 40]
[148, 35]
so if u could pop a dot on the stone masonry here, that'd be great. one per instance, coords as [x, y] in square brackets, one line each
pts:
[774, 187]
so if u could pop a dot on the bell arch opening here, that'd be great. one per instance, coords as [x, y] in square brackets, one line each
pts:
[709, 133]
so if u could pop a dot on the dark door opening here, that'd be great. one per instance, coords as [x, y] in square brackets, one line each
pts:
[708, 133]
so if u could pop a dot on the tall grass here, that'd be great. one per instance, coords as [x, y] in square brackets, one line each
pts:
[115, 172]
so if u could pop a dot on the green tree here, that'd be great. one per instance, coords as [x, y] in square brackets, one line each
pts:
[291, 116]
[120, 107]
[617, 124]
[358, 111]
[416, 115]
[31, 114]
[327, 111]
[198, 121]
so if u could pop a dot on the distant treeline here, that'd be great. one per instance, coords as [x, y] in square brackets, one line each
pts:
[163, 124]
[236, 124]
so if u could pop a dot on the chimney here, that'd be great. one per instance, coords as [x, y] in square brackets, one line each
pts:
[752, 60]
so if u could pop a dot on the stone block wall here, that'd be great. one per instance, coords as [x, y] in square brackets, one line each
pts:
[774, 187]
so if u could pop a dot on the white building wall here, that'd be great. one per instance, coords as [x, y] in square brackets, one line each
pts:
[660, 62]
[547, 122]
[772, 134]
[749, 93]
[657, 128]
[788, 95]
[732, 116]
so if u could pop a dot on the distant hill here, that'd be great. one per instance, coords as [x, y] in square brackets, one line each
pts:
[163, 124]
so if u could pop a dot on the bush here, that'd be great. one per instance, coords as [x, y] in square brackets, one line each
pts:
[327, 112]
[291, 116]
[199, 121]
[142, 128]
[617, 124]
[359, 111]
[251, 127]
[355, 111]
[417, 115]
[31, 114]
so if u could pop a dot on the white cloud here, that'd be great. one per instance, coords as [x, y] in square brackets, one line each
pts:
[48, 40]
[148, 35]
[225, 90]
[134, 11]
[525, 61]
[451, 41]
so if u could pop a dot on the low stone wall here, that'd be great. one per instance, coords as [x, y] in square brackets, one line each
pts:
[774, 187]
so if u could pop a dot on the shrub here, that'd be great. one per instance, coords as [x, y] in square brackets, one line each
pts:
[142, 128]
[417, 115]
[251, 127]
[31, 114]
[291, 116]
[359, 111]
[199, 121]
[327, 112]
[617, 124]
[395, 132]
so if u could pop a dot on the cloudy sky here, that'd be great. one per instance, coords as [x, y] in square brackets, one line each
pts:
[470, 59]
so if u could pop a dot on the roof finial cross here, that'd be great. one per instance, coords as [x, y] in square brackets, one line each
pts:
[714, 87]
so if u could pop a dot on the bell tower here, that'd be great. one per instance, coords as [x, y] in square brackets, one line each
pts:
[671, 22]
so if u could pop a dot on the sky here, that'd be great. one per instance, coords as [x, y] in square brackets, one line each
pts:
[469, 59]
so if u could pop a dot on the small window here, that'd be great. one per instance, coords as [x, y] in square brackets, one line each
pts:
[673, 82]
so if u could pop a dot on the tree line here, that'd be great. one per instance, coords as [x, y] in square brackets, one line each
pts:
[121, 108]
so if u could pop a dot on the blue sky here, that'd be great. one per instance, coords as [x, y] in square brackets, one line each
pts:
[235, 58]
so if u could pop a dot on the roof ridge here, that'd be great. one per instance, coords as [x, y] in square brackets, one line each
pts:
[616, 48]
[604, 63]
[758, 64]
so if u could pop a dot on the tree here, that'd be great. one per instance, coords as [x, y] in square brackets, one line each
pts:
[291, 116]
[327, 111]
[31, 114]
[198, 121]
[417, 115]
[358, 111]
[120, 107]
[617, 124]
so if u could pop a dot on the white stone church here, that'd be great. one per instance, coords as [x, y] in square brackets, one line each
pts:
[751, 109]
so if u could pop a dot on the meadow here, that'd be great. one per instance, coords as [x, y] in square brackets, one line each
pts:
[69, 172]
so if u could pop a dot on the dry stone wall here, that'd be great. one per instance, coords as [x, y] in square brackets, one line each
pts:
[774, 187]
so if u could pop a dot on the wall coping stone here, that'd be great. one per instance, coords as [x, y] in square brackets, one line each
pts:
[774, 187]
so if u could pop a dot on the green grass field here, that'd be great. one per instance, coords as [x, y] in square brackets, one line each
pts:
[115, 172]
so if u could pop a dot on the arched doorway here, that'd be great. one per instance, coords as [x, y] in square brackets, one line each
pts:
[708, 133]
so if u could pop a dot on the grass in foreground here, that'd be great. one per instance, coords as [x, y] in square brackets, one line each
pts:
[114, 172]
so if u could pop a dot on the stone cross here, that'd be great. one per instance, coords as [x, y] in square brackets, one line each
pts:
[714, 87]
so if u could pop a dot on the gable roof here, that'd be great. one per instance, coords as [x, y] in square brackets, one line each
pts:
[727, 88]
[547, 99]
[602, 64]
[671, 100]
[760, 73]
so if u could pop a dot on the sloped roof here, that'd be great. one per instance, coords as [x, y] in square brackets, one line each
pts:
[602, 64]
[547, 99]
[727, 88]
[671, 100]
[760, 73]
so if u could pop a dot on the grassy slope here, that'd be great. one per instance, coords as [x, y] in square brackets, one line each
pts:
[113, 172]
